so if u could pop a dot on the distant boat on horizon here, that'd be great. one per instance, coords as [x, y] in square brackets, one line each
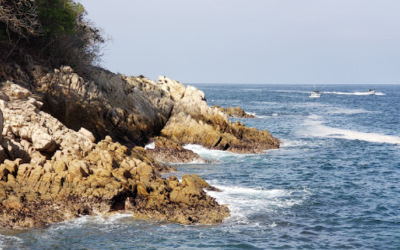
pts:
[315, 93]
[370, 91]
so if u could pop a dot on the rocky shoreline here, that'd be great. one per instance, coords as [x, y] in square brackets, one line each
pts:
[72, 146]
[237, 112]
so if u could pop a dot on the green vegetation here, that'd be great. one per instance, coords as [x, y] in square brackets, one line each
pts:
[53, 31]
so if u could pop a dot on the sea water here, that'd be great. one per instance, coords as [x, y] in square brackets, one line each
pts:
[333, 184]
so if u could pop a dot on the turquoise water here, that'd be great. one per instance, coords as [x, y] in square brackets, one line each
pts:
[334, 183]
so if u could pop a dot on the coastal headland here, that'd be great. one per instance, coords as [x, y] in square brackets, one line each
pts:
[72, 137]
[72, 147]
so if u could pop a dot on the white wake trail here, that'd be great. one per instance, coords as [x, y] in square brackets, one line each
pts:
[318, 129]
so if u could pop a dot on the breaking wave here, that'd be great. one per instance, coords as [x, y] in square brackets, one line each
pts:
[244, 202]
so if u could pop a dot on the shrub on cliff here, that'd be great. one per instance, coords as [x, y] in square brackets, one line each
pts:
[54, 31]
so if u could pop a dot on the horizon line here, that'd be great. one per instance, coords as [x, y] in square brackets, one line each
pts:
[293, 83]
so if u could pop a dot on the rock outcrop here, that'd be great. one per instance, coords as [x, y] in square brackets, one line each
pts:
[72, 146]
[192, 121]
[171, 152]
[237, 112]
[129, 109]
[132, 110]
[50, 173]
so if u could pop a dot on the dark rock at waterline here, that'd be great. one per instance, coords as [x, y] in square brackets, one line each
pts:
[171, 152]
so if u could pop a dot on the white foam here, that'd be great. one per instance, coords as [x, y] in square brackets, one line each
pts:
[317, 129]
[91, 219]
[251, 89]
[309, 104]
[150, 146]
[292, 91]
[269, 103]
[6, 241]
[314, 117]
[347, 111]
[212, 154]
[268, 116]
[351, 93]
[244, 201]
[286, 143]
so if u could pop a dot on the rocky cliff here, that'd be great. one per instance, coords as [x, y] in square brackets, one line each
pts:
[132, 110]
[72, 146]
[50, 173]
[193, 121]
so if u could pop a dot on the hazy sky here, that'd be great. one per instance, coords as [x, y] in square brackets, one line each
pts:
[252, 41]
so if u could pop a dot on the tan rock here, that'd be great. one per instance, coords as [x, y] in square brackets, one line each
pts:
[42, 141]
[64, 173]
[234, 112]
[88, 134]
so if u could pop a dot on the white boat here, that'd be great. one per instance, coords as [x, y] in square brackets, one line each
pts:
[370, 91]
[315, 94]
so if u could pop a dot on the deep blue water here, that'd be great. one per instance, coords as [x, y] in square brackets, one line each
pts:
[334, 183]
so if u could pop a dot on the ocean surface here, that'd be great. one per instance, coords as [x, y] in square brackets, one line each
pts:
[333, 184]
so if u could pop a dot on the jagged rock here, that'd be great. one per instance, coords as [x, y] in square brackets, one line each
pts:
[174, 87]
[16, 92]
[192, 121]
[234, 112]
[168, 151]
[52, 173]
[80, 177]
[88, 134]
[201, 183]
[130, 110]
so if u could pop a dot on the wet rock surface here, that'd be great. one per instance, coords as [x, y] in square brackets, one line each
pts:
[171, 152]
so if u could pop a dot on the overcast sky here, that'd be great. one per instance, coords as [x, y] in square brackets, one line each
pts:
[252, 41]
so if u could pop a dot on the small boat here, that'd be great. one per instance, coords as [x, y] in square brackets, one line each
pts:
[370, 91]
[315, 94]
